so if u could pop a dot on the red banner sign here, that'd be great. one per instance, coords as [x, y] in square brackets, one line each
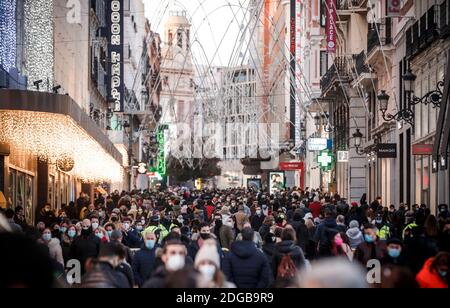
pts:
[331, 26]
[422, 149]
[292, 166]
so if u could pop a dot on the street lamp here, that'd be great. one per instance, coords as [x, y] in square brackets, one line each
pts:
[407, 114]
[358, 141]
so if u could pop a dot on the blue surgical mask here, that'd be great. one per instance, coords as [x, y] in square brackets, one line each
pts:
[443, 274]
[47, 237]
[368, 238]
[150, 244]
[63, 229]
[139, 228]
[394, 252]
[99, 235]
[109, 233]
[72, 233]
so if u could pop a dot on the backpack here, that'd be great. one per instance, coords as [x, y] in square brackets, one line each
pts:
[287, 268]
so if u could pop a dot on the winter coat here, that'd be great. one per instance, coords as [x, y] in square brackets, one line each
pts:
[418, 250]
[328, 223]
[257, 221]
[264, 230]
[143, 264]
[104, 276]
[55, 249]
[269, 250]
[429, 278]
[301, 231]
[158, 279]
[85, 247]
[315, 208]
[355, 236]
[246, 266]
[368, 251]
[287, 248]
[132, 239]
[241, 219]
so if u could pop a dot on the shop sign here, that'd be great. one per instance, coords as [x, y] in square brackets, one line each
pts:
[387, 150]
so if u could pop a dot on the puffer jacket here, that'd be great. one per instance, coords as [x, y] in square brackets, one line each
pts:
[55, 249]
[246, 266]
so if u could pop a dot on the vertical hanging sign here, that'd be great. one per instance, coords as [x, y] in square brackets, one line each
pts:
[115, 79]
[293, 70]
[331, 26]
[393, 8]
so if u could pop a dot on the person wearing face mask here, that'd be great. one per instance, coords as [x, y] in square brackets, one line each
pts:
[102, 272]
[371, 248]
[174, 259]
[101, 234]
[223, 233]
[384, 230]
[85, 246]
[434, 273]
[46, 215]
[207, 262]
[53, 245]
[143, 261]
[394, 254]
[131, 236]
[94, 222]
[205, 234]
[66, 242]
[257, 219]
[109, 228]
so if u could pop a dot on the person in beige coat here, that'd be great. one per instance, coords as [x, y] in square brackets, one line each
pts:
[53, 245]
[241, 218]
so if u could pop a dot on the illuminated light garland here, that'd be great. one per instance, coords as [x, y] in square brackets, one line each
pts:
[7, 34]
[39, 42]
[53, 136]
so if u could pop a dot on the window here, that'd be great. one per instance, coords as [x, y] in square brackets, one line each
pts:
[180, 39]
[21, 193]
[188, 38]
[170, 36]
[323, 62]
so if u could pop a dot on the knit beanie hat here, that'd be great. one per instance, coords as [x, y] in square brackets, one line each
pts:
[208, 252]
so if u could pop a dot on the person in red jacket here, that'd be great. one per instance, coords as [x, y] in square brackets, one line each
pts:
[210, 209]
[315, 207]
[434, 273]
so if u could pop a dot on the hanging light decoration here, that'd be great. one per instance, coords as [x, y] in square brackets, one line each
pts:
[39, 42]
[8, 34]
[57, 139]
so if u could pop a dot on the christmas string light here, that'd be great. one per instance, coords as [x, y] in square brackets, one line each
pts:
[7, 34]
[39, 42]
[57, 138]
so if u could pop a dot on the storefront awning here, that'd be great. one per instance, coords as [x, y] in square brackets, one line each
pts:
[54, 127]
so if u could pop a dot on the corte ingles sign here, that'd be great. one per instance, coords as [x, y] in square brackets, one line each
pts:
[331, 26]
[115, 80]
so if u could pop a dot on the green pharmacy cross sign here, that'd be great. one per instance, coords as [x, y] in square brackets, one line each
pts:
[325, 160]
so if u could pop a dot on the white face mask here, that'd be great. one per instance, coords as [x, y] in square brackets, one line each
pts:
[126, 226]
[208, 271]
[175, 263]
[94, 225]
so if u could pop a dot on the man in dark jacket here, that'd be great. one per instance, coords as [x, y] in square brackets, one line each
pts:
[320, 237]
[86, 246]
[104, 273]
[47, 216]
[301, 231]
[224, 233]
[131, 236]
[257, 219]
[245, 265]
[174, 259]
[371, 248]
[144, 260]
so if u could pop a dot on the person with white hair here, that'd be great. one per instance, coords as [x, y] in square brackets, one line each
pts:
[333, 273]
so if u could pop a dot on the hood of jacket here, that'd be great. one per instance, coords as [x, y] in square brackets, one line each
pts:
[286, 247]
[244, 249]
[354, 233]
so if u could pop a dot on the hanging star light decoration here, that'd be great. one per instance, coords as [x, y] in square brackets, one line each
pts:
[57, 139]
[8, 34]
[39, 42]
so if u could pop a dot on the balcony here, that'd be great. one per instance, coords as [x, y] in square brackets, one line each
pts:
[361, 69]
[347, 7]
[339, 72]
[422, 34]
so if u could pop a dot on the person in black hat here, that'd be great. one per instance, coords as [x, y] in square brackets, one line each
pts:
[394, 254]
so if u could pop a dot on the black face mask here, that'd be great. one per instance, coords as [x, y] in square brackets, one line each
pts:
[204, 236]
[86, 232]
[114, 219]
[219, 223]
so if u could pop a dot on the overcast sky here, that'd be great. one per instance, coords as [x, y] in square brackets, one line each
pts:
[212, 22]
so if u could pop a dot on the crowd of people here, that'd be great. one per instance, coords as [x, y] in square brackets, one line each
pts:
[228, 238]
